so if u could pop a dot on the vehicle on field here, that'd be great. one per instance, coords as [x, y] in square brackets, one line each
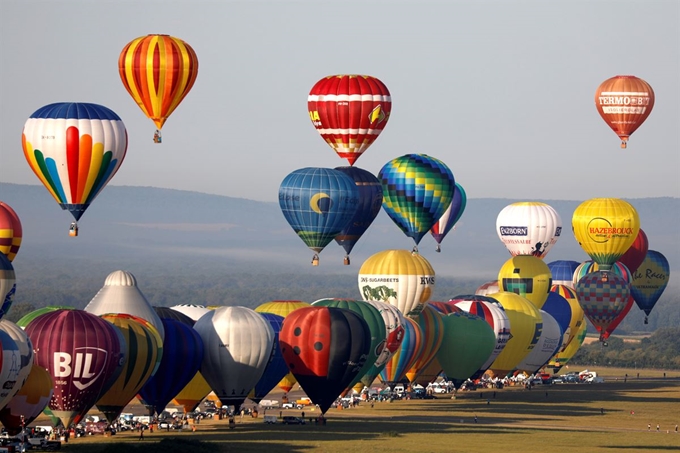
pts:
[271, 419]
[290, 420]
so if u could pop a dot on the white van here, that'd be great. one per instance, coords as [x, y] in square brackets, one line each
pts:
[271, 419]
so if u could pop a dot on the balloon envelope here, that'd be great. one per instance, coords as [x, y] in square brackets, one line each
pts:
[636, 253]
[349, 111]
[402, 360]
[603, 296]
[11, 231]
[548, 344]
[529, 228]
[399, 277]
[417, 190]
[7, 284]
[318, 203]
[29, 401]
[527, 276]
[562, 272]
[83, 354]
[325, 348]
[238, 345]
[276, 368]
[451, 216]
[74, 149]
[158, 71]
[605, 228]
[624, 102]
[650, 280]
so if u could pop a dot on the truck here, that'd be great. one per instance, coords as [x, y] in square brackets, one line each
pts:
[269, 404]
[302, 402]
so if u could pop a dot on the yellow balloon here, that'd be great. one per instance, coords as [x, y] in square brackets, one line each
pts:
[527, 276]
[401, 278]
[605, 228]
[193, 393]
[526, 324]
[561, 358]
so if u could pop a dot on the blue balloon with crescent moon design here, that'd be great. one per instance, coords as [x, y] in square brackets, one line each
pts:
[318, 203]
[417, 190]
[370, 201]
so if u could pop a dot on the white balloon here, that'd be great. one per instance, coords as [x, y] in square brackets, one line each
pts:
[547, 346]
[528, 228]
[25, 348]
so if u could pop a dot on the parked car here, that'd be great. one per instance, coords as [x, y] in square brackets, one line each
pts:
[290, 420]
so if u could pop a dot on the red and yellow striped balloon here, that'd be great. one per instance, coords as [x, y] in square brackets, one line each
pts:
[158, 71]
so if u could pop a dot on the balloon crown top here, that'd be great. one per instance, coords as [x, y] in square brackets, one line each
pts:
[120, 278]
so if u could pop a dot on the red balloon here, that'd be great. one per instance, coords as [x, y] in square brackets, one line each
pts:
[83, 354]
[324, 348]
[637, 252]
[10, 231]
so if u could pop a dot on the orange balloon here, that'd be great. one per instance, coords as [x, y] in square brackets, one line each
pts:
[624, 103]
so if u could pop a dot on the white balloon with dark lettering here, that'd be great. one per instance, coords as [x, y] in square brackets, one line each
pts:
[547, 346]
[529, 228]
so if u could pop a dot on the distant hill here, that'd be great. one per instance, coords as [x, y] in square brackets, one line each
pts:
[164, 233]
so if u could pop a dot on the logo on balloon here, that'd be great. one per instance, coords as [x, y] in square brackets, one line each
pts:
[513, 231]
[320, 203]
[86, 366]
[600, 230]
[377, 115]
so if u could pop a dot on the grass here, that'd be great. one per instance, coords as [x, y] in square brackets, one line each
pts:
[556, 418]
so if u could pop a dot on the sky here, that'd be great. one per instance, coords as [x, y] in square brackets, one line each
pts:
[502, 91]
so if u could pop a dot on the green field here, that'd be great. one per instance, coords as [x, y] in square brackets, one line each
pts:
[557, 418]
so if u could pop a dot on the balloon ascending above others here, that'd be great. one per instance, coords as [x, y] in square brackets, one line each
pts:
[417, 190]
[158, 71]
[11, 231]
[74, 149]
[624, 102]
[318, 203]
[451, 216]
[529, 228]
[605, 228]
[349, 111]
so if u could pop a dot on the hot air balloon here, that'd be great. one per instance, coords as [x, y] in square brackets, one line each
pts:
[526, 324]
[529, 228]
[636, 253]
[7, 284]
[402, 360]
[432, 325]
[158, 71]
[182, 357]
[451, 216]
[83, 354]
[376, 328]
[590, 266]
[493, 313]
[191, 310]
[283, 308]
[649, 281]
[443, 308]
[277, 368]
[561, 358]
[10, 368]
[605, 228]
[74, 149]
[417, 190]
[548, 344]
[238, 345]
[349, 111]
[399, 277]
[144, 353]
[28, 403]
[467, 343]
[603, 296]
[624, 102]
[169, 313]
[559, 308]
[562, 272]
[318, 203]
[488, 288]
[325, 348]
[120, 294]
[28, 317]
[527, 276]
[394, 331]
[10, 231]
[577, 315]
[25, 346]
[370, 201]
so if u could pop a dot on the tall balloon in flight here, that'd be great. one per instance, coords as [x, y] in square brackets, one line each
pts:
[74, 149]
[650, 281]
[318, 203]
[417, 190]
[624, 102]
[451, 216]
[605, 228]
[158, 71]
[349, 111]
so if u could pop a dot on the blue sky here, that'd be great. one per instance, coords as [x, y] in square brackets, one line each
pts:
[500, 91]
